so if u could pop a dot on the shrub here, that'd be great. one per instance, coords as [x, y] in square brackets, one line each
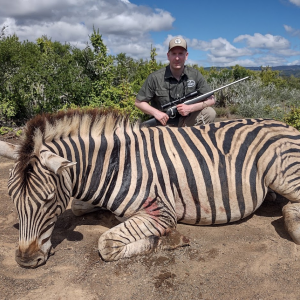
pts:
[19, 132]
[221, 111]
[233, 109]
[5, 130]
[293, 118]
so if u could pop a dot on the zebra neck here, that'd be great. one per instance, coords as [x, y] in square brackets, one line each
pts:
[98, 172]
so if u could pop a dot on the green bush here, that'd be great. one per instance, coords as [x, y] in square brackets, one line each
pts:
[19, 132]
[293, 118]
[5, 130]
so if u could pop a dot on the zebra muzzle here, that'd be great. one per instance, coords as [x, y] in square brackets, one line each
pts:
[33, 260]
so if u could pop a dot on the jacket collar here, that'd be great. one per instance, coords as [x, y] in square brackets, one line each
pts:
[168, 73]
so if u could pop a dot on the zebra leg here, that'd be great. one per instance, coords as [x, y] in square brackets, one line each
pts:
[80, 208]
[291, 215]
[138, 236]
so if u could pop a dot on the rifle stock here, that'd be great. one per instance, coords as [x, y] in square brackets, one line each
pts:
[151, 123]
[173, 110]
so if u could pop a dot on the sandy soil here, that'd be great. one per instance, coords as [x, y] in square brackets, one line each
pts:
[251, 259]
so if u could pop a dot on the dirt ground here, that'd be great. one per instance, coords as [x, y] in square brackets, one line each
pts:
[251, 259]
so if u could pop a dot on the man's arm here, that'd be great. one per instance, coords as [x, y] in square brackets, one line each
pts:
[148, 109]
[184, 109]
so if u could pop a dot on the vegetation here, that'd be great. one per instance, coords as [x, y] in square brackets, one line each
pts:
[5, 130]
[293, 118]
[47, 76]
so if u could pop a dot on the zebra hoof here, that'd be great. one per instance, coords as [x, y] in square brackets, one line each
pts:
[172, 240]
[291, 216]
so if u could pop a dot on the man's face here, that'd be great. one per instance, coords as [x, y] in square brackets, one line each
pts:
[177, 57]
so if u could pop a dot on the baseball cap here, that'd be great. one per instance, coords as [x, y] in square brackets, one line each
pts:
[177, 42]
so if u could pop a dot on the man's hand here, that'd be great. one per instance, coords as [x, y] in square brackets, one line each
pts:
[184, 109]
[161, 117]
[148, 109]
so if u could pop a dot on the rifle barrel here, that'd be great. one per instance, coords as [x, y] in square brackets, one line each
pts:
[206, 95]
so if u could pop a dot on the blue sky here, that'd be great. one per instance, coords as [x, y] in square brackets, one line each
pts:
[219, 33]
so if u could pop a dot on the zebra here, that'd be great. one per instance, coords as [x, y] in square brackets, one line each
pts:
[150, 178]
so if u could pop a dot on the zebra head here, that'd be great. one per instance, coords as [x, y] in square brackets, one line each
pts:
[40, 190]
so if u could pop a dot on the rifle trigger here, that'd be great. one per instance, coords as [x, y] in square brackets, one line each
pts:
[173, 115]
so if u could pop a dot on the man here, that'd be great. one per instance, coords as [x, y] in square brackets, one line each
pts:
[173, 82]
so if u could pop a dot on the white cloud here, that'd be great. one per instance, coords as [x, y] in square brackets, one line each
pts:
[241, 62]
[121, 23]
[227, 61]
[292, 31]
[270, 60]
[295, 62]
[286, 52]
[296, 2]
[58, 31]
[254, 61]
[266, 41]
[221, 47]
[260, 50]
[132, 23]
[220, 51]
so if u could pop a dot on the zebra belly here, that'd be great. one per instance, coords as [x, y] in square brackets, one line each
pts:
[187, 212]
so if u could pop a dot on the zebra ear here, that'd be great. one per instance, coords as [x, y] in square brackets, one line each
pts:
[9, 150]
[55, 162]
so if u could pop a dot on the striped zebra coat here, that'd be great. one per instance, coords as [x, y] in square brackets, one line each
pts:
[150, 178]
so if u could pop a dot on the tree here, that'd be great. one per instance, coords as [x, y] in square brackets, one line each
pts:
[2, 34]
[152, 65]
[102, 87]
[39, 77]
[268, 76]
[239, 72]
[11, 59]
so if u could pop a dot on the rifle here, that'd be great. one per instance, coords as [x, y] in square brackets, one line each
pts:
[171, 112]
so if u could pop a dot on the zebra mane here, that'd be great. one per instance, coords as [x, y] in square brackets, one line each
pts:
[49, 127]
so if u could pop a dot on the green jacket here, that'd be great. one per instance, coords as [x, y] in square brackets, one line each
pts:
[161, 87]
